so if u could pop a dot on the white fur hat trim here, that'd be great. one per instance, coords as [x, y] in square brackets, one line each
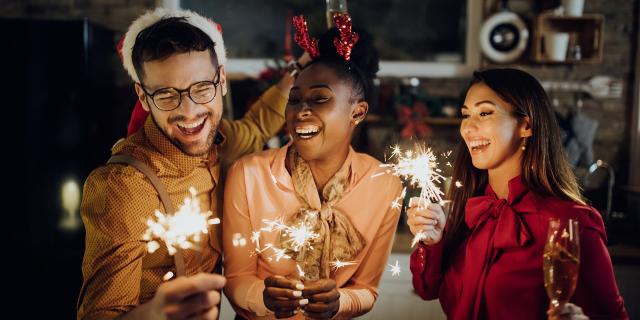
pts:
[149, 18]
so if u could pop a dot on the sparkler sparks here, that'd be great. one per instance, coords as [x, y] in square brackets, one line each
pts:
[395, 269]
[181, 230]
[419, 169]
[397, 202]
[339, 264]
[420, 235]
[238, 240]
[299, 237]
[300, 271]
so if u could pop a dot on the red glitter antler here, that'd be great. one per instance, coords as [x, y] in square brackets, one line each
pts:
[309, 45]
[347, 38]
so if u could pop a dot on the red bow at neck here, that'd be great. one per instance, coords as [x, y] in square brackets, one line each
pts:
[494, 224]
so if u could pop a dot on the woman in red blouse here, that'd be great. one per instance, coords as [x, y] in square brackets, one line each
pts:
[515, 178]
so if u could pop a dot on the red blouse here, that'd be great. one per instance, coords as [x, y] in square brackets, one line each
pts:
[496, 272]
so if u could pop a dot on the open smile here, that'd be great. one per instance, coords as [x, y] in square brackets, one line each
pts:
[307, 132]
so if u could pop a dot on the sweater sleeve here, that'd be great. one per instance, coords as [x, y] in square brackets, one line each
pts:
[249, 134]
[358, 296]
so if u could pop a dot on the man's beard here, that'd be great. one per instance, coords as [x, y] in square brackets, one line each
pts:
[184, 148]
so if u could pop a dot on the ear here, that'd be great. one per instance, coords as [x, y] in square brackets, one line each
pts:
[359, 111]
[525, 127]
[223, 80]
[142, 97]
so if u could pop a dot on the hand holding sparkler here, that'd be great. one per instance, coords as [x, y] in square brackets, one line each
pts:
[426, 224]
[323, 297]
[183, 298]
[283, 296]
[419, 168]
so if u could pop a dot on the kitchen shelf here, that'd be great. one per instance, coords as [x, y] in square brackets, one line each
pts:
[587, 31]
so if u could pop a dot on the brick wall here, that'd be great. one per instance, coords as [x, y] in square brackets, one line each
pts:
[611, 141]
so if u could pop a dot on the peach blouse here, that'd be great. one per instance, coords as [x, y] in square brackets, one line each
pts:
[259, 187]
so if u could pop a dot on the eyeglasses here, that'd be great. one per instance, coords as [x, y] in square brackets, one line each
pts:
[167, 99]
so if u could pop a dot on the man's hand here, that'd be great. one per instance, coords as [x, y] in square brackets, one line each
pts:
[324, 299]
[283, 296]
[195, 297]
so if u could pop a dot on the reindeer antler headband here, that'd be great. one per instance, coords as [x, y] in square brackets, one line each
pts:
[343, 45]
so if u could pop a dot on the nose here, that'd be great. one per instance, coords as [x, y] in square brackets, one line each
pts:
[187, 106]
[304, 112]
[468, 126]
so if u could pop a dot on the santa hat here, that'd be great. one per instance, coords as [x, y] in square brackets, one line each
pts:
[210, 28]
[126, 43]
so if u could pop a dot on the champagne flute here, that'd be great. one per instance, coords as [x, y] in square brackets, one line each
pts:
[561, 260]
[333, 6]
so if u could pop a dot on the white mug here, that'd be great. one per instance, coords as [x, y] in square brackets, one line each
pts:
[556, 45]
[573, 7]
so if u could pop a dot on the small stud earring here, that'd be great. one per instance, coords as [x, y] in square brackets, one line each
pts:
[355, 122]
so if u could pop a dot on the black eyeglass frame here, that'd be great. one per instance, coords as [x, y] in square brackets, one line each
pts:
[214, 82]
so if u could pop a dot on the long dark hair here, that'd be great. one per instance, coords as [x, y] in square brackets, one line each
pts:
[545, 169]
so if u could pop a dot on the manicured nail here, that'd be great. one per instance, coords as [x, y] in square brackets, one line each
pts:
[304, 302]
[299, 286]
[297, 293]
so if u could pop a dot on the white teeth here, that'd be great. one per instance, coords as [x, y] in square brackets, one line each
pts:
[307, 130]
[479, 143]
[191, 125]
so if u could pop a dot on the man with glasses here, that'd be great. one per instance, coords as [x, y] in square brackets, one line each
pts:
[177, 60]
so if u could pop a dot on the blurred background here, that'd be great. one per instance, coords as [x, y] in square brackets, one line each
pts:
[69, 100]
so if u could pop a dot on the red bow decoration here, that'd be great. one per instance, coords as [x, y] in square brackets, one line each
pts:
[348, 38]
[495, 224]
[310, 45]
[413, 120]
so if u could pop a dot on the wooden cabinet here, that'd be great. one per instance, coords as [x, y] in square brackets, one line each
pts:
[585, 32]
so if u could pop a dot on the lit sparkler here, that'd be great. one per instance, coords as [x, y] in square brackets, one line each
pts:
[299, 237]
[181, 230]
[420, 169]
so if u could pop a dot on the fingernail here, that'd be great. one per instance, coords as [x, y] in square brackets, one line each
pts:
[304, 302]
[297, 293]
[299, 286]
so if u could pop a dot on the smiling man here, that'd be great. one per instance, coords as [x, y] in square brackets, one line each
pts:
[177, 61]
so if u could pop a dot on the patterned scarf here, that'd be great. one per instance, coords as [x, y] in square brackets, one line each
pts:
[338, 239]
